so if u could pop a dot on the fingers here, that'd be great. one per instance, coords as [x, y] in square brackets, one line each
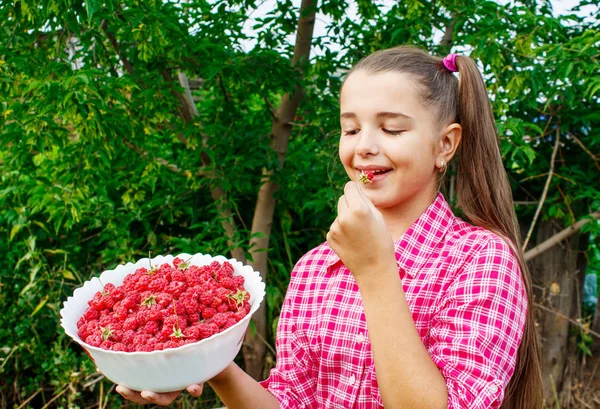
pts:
[130, 395]
[161, 399]
[145, 397]
[195, 390]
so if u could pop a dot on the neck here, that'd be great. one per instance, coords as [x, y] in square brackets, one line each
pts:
[399, 218]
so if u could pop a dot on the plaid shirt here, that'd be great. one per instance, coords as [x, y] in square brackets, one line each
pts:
[468, 302]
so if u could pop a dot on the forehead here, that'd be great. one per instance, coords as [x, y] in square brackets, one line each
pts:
[365, 93]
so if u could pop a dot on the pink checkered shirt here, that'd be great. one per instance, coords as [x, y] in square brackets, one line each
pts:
[468, 302]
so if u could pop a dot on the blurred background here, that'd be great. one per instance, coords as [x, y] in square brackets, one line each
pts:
[129, 127]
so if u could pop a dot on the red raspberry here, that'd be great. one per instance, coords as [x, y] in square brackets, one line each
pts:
[176, 288]
[128, 337]
[219, 319]
[159, 346]
[164, 299]
[207, 330]
[191, 305]
[107, 302]
[151, 327]
[117, 346]
[143, 316]
[239, 315]
[228, 282]
[118, 294]
[177, 261]
[96, 301]
[91, 314]
[239, 281]
[223, 307]
[227, 268]
[109, 287]
[130, 301]
[94, 340]
[106, 344]
[172, 344]
[141, 338]
[156, 313]
[116, 335]
[143, 348]
[192, 333]
[159, 284]
[142, 283]
[230, 323]
[121, 313]
[174, 321]
[208, 312]
[131, 323]
[83, 332]
[193, 318]
[206, 297]
[82, 320]
[178, 275]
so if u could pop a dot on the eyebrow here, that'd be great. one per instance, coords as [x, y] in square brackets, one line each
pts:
[378, 115]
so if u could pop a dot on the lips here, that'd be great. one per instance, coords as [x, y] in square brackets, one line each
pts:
[378, 172]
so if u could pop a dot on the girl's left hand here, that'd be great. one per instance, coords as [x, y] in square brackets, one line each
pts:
[359, 235]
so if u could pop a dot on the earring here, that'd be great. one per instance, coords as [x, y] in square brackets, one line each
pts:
[443, 167]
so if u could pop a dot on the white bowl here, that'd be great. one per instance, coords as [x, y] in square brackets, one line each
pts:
[170, 369]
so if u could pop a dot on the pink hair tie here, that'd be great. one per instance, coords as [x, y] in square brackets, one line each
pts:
[450, 62]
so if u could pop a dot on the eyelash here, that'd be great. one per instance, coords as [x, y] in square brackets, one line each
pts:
[393, 133]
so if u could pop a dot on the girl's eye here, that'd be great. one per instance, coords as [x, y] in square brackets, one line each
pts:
[352, 132]
[395, 133]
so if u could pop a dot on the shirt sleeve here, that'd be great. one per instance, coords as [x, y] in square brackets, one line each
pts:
[291, 381]
[477, 331]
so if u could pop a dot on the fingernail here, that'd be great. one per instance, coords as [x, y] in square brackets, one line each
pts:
[195, 389]
[147, 395]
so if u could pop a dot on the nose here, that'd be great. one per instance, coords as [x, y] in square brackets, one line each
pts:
[367, 143]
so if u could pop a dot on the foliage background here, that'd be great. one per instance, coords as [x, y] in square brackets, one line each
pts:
[97, 166]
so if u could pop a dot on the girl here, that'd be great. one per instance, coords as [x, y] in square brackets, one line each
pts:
[406, 305]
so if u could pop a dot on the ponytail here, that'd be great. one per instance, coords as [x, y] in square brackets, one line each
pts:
[485, 196]
[482, 186]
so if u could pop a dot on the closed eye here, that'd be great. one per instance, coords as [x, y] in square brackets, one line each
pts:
[395, 133]
[351, 132]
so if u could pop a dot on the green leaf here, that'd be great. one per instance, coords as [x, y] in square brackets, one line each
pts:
[16, 228]
[39, 306]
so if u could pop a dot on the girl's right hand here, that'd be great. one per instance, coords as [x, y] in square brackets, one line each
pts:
[161, 399]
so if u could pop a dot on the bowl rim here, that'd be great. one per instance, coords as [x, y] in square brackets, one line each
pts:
[258, 300]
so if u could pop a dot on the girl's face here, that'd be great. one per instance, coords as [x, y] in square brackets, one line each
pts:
[387, 129]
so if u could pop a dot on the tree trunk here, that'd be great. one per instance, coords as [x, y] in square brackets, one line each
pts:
[254, 348]
[557, 277]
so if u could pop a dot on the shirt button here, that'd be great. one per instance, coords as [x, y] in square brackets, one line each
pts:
[352, 379]
[360, 338]
[493, 388]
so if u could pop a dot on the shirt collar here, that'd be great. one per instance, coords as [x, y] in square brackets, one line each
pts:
[415, 246]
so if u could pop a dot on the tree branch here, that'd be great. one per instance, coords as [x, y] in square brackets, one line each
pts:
[586, 150]
[560, 236]
[115, 45]
[188, 111]
[545, 192]
[571, 320]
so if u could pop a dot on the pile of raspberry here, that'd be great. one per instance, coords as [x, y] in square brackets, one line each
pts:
[166, 306]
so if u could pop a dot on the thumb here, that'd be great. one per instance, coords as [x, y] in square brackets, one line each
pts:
[375, 211]
[195, 390]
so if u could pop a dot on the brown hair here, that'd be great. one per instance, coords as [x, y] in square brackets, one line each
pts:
[482, 186]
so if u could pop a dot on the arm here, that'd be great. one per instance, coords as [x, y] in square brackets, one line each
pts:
[237, 389]
[406, 375]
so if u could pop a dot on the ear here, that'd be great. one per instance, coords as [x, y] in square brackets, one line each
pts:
[448, 144]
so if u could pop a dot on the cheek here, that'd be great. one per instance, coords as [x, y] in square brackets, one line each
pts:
[346, 152]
